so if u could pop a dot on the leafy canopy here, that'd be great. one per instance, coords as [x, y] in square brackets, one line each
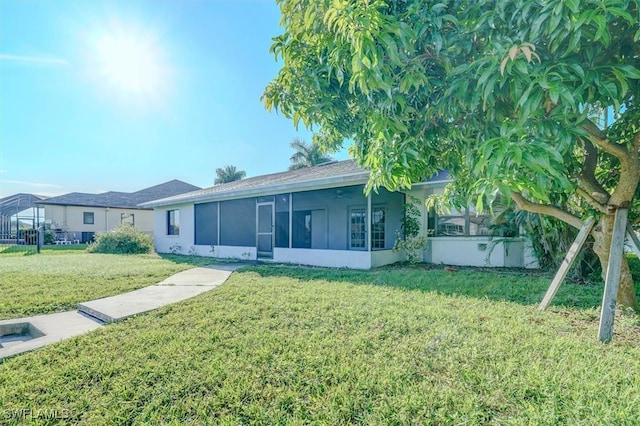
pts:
[306, 155]
[501, 93]
[228, 174]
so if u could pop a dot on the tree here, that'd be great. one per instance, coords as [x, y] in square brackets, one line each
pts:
[228, 174]
[306, 155]
[505, 95]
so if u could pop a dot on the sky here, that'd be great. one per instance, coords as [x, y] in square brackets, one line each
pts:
[121, 95]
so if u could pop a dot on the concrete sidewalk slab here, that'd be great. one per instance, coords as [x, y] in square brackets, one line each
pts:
[178, 287]
[24, 334]
[52, 327]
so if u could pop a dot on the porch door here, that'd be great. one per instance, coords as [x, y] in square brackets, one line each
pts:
[358, 228]
[264, 228]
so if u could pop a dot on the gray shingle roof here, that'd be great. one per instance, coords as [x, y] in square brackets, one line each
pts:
[332, 174]
[122, 199]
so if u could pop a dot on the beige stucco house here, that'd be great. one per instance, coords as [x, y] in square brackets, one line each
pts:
[77, 217]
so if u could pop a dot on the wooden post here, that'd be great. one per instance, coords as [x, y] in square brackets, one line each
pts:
[567, 262]
[635, 244]
[612, 281]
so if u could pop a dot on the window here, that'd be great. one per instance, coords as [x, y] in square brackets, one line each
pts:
[464, 223]
[301, 234]
[173, 222]
[357, 228]
[127, 218]
[377, 227]
[88, 218]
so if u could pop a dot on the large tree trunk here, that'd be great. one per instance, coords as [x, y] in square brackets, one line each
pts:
[602, 234]
[602, 247]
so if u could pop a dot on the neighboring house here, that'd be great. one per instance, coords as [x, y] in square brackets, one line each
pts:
[317, 216]
[79, 216]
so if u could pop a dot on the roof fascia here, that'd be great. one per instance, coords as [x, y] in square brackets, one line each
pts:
[433, 183]
[334, 182]
[101, 206]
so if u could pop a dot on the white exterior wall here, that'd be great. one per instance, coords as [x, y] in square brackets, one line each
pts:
[355, 259]
[223, 252]
[475, 251]
[385, 257]
[530, 258]
[181, 243]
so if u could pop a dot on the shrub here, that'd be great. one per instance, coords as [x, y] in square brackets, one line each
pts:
[410, 241]
[49, 236]
[123, 240]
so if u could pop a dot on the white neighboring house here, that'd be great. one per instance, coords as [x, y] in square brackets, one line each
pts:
[319, 216]
[79, 216]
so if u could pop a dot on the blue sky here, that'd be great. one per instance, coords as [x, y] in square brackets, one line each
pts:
[122, 95]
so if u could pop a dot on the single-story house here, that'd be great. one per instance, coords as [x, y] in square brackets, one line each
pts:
[319, 216]
[79, 216]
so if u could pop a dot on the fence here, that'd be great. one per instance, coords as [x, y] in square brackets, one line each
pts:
[18, 234]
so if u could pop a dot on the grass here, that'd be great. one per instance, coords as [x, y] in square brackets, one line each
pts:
[282, 345]
[62, 276]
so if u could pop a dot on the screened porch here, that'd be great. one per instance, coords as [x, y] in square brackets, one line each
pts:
[326, 227]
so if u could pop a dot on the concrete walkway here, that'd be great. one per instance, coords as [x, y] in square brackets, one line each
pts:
[25, 334]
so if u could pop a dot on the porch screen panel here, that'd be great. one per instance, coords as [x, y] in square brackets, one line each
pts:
[206, 224]
[238, 222]
[264, 219]
[282, 220]
[302, 229]
[282, 229]
[265, 243]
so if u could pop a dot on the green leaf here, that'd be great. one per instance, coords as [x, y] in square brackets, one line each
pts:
[629, 71]
[573, 5]
[616, 11]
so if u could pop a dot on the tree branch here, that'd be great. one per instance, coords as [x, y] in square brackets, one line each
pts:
[601, 207]
[600, 139]
[587, 178]
[635, 144]
[546, 209]
[629, 174]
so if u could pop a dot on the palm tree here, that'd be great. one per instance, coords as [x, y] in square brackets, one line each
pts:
[306, 155]
[228, 174]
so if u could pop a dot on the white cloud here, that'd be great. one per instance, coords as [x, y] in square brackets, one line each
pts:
[35, 60]
[33, 184]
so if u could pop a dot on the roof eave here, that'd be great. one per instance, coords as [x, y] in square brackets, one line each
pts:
[333, 182]
[97, 206]
[433, 183]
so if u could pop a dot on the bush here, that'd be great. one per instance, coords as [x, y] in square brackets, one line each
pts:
[124, 240]
[410, 240]
[49, 237]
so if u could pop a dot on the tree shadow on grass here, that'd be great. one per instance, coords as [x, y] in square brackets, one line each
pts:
[18, 250]
[498, 284]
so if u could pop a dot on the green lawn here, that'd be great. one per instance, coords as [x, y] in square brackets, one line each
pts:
[62, 276]
[282, 345]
